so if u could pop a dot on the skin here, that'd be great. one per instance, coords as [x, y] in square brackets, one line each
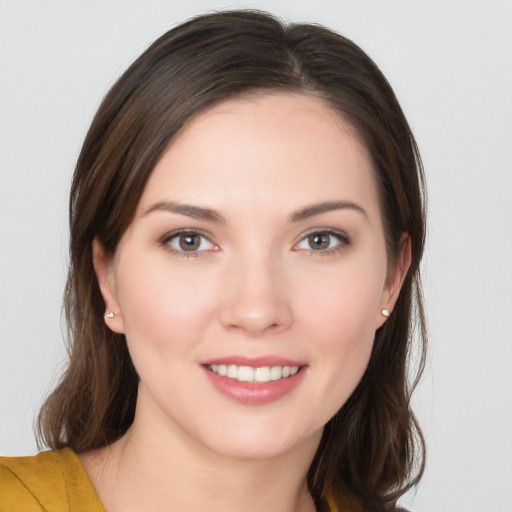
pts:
[254, 287]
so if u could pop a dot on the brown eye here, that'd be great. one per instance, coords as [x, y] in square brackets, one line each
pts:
[319, 241]
[189, 242]
[323, 242]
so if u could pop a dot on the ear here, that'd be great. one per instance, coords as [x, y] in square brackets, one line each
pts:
[104, 269]
[395, 278]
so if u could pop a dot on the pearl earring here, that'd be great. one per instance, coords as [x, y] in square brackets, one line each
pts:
[385, 312]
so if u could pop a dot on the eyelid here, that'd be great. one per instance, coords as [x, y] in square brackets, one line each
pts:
[343, 238]
[171, 235]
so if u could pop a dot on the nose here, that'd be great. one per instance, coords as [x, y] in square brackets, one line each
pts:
[254, 298]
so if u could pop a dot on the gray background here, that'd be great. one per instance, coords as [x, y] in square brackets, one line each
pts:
[450, 63]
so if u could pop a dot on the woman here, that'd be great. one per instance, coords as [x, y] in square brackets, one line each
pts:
[247, 225]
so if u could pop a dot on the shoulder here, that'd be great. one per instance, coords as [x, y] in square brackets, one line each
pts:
[50, 481]
[25, 482]
[14, 496]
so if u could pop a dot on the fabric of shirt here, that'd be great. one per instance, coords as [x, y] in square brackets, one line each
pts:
[51, 481]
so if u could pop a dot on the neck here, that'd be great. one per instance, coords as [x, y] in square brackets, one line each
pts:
[160, 470]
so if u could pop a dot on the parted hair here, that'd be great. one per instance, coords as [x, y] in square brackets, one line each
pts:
[372, 451]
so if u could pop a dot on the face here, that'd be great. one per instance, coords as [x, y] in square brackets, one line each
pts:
[251, 281]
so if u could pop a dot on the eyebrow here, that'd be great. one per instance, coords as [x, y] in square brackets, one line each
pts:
[198, 212]
[327, 206]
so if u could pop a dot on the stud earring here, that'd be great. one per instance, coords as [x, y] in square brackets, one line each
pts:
[111, 315]
[385, 312]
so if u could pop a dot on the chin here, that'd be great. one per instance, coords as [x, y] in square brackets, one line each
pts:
[266, 442]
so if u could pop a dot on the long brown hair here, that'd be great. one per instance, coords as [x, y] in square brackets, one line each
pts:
[372, 451]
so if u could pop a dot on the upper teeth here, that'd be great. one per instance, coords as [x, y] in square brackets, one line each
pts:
[249, 374]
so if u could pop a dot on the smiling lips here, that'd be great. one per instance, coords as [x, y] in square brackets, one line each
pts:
[261, 374]
[254, 382]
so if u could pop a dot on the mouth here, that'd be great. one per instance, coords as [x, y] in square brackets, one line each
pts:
[259, 375]
[255, 381]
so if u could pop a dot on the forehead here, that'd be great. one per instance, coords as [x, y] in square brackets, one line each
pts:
[286, 147]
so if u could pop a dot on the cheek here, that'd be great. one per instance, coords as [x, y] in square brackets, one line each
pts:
[342, 305]
[162, 305]
[344, 328]
[340, 320]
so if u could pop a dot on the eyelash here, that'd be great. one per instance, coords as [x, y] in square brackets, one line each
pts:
[342, 238]
[169, 237]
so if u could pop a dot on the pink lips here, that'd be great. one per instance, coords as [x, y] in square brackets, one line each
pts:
[252, 393]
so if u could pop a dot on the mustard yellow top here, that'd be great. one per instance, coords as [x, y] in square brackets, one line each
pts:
[52, 481]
